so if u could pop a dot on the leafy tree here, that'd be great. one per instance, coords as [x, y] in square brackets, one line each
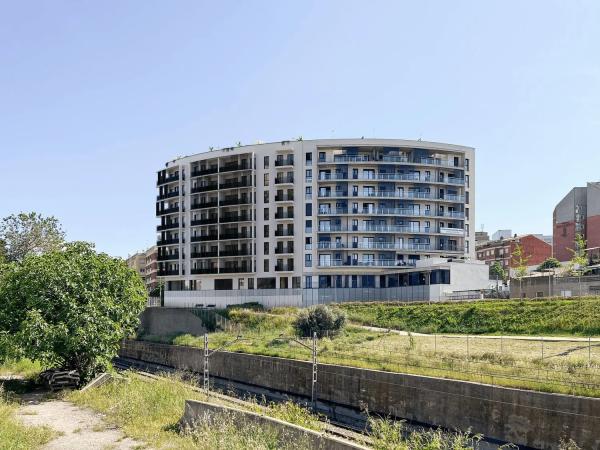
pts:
[549, 263]
[579, 260]
[520, 261]
[2, 251]
[70, 308]
[496, 270]
[30, 233]
[320, 319]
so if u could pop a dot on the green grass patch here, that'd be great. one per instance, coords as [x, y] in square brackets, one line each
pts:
[558, 317]
[23, 367]
[149, 410]
[16, 436]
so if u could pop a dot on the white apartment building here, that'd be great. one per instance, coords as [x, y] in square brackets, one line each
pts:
[330, 213]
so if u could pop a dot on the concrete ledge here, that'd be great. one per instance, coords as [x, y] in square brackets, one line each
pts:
[204, 412]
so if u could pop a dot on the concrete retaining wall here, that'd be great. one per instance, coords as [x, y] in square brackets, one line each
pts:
[528, 418]
[170, 321]
[197, 411]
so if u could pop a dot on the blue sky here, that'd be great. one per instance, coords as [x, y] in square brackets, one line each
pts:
[96, 96]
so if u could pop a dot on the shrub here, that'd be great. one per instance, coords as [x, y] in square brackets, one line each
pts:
[70, 308]
[320, 319]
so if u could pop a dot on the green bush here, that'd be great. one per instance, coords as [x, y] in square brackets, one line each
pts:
[321, 319]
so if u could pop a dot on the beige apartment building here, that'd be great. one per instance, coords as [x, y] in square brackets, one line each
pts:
[331, 213]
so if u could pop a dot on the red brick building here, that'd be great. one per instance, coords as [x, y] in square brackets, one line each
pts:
[577, 213]
[534, 248]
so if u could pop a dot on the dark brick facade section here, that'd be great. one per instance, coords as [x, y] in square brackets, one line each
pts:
[563, 237]
[593, 231]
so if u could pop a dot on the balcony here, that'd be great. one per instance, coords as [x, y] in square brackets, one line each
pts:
[168, 257]
[368, 263]
[166, 272]
[235, 235]
[284, 267]
[205, 188]
[236, 252]
[205, 238]
[169, 241]
[233, 166]
[284, 215]
[452, 231]
[204, 254]
[167, 179]
[235, 218]
[207, 221]
[283, 233]
[236, 269]
[168, 195]
[283, 162]
[167, 226]
[201, 205]
[235, 184]
[234, 201]
[284, 198]
[284, 180]
[284, 250]
[171, 210]
[204, 270]
[209, 171]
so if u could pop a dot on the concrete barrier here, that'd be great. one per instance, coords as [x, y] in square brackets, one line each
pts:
[169, 322]
[200, 412]
[526, 418]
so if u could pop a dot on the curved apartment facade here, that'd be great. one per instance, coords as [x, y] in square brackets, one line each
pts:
[340, 213]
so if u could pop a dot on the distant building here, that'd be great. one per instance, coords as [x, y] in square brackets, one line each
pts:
[501, 234]
[534, 248]
[481, 236]
[146, 265]
[577, 213]
[151, 271]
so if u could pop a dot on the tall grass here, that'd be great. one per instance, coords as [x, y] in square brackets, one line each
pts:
[23, 367]
[150, 410]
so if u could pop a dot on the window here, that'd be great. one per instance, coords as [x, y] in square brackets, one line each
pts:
[467, 180]
[308, 175]
[308, 282]
[266, 196]
[266, 162]
[308, 243]
[266, 179]
[266, 248]
[266, 213]
[467, 163]
[308, 226]
[266, 231]
[307, 260]
[321, 156]
[250, 283]
[467, 213]
[308, 191]
[308, 211]
[467, 197]
[308, 157]
[265, 266]
[295, 282]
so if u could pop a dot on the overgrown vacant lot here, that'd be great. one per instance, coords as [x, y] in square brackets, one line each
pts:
[529, 317]
[571, 367]
[149, 410]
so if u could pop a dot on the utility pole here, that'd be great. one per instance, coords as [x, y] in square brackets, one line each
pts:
[208, 354]
[315, 365]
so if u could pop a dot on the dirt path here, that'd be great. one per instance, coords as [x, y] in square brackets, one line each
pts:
[479, 336]
[78, 428]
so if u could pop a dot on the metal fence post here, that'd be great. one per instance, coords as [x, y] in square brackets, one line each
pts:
[205, 373]
[314, 372]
